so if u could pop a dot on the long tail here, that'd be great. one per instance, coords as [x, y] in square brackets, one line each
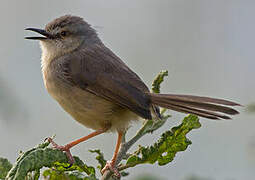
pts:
[207, 107]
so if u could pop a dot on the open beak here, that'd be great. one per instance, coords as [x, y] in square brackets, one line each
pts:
[45, 34]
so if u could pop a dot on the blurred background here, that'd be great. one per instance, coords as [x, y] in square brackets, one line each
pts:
[207, 46]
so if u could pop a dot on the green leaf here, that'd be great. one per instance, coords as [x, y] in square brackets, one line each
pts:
[52, 174]
[124, 173]
[154, 124]
[41, 156]
[167, 146]
[37, 174]
[102, 161]
[99, 158]
[158, 80]
[78, 166]
[5, 166]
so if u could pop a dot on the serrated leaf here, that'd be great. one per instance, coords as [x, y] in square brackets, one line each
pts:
[41, 156]
[167, 146]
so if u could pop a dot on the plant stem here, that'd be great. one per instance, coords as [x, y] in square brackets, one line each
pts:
[125, 146]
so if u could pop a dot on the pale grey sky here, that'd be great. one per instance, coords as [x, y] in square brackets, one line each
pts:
[207, 46]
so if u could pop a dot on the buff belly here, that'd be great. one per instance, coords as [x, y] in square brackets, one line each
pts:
[88, 109]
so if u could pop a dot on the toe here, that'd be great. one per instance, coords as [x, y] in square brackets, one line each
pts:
[66, 149]
[70, 157]
[110, 165]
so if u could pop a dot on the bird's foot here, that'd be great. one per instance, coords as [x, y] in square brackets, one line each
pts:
[110, 165]
[66, 149]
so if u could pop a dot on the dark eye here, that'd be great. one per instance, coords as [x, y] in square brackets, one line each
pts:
[63, 33]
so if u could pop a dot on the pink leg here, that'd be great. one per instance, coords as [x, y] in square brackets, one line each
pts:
[67, 147]
[111, 164]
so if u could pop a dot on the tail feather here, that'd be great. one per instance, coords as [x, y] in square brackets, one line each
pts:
[199, 112]
[201, 106]
[191, 98]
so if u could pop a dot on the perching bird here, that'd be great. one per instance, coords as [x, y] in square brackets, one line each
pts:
[100, 91]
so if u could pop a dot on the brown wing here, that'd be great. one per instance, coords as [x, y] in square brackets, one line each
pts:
[99, 71]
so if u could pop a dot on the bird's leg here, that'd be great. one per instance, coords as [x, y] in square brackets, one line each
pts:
[67, 147]
[111, 164]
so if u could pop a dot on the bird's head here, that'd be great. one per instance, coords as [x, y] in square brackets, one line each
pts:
[65, 34]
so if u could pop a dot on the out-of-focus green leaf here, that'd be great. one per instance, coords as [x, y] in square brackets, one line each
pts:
[5, 166]
[251, 108]
[158, 80]
[124, 173]
[195, 177]
[167, 146]
[147, 177]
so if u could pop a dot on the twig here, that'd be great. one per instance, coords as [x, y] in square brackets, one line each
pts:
[125, 146]
[149, 126]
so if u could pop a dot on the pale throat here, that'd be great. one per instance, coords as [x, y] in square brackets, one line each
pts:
[49, 53]
[52, 51]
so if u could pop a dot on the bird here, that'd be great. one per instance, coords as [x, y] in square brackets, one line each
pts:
[100, 91]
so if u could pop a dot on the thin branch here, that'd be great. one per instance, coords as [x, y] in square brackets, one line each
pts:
[123, 150]
[149, 126]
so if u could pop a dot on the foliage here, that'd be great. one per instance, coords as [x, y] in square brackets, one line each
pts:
[99, 158]
[42, 156]
[52, 174]
[77, 171]
[167, 146]
[5, 166]
[29, 164]
[158, 80]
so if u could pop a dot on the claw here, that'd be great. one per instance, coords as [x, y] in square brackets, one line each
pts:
[67, 151]
[110, 165]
